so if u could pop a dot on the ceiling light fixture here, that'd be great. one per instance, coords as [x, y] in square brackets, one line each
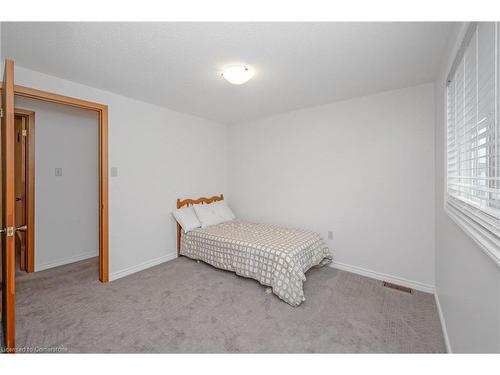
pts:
[237, 74]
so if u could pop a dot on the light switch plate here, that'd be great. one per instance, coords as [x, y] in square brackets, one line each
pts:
[330, 235]
[58, 172]
[114, 172]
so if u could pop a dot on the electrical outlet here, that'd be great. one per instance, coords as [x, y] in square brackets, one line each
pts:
[330, 235]
[58, 172]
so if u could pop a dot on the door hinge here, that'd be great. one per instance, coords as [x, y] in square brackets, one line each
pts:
[1, 112]
[24, 132]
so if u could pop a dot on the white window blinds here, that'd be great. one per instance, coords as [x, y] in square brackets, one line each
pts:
[473, 173]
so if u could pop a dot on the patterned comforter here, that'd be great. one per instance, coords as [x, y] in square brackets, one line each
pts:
[275, 256]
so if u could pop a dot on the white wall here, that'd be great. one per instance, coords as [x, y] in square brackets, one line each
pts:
[363, 168]
[67, 207]
[160, 155]
[467, 281]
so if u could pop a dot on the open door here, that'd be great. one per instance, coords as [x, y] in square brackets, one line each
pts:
[7, 226]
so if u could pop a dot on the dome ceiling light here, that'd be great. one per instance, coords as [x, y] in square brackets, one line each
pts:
[238, 74]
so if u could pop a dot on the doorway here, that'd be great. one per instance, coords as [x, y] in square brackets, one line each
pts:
[102, 111]
[24, 176]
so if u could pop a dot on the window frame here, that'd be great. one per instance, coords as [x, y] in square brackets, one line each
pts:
[467, 216]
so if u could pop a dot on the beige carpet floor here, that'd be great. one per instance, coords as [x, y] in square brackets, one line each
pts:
[185, 306]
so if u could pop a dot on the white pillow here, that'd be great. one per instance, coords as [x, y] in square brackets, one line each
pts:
[187, 218]
[223, 210]
[207, 215]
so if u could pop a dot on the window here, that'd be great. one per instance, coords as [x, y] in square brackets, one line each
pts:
[473, 143]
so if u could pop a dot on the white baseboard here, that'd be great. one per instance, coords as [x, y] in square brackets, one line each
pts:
[443, 323]
[62, 262]
[141, 266]
[384, 277]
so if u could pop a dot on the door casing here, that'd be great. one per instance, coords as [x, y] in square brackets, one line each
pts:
[102, 111]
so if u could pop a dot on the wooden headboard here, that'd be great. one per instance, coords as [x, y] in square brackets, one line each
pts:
[189, 202]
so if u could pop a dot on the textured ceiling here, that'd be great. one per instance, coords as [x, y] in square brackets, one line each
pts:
[177, 65]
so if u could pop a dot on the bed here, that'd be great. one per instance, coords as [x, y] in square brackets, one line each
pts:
[275, 256]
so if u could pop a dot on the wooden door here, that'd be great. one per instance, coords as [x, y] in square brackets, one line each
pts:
[21, 133]
[8, 208]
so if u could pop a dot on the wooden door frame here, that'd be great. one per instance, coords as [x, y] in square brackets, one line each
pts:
[30, 186]
[102, 111]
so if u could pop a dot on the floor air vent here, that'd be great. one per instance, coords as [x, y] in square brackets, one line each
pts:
[398, 287]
